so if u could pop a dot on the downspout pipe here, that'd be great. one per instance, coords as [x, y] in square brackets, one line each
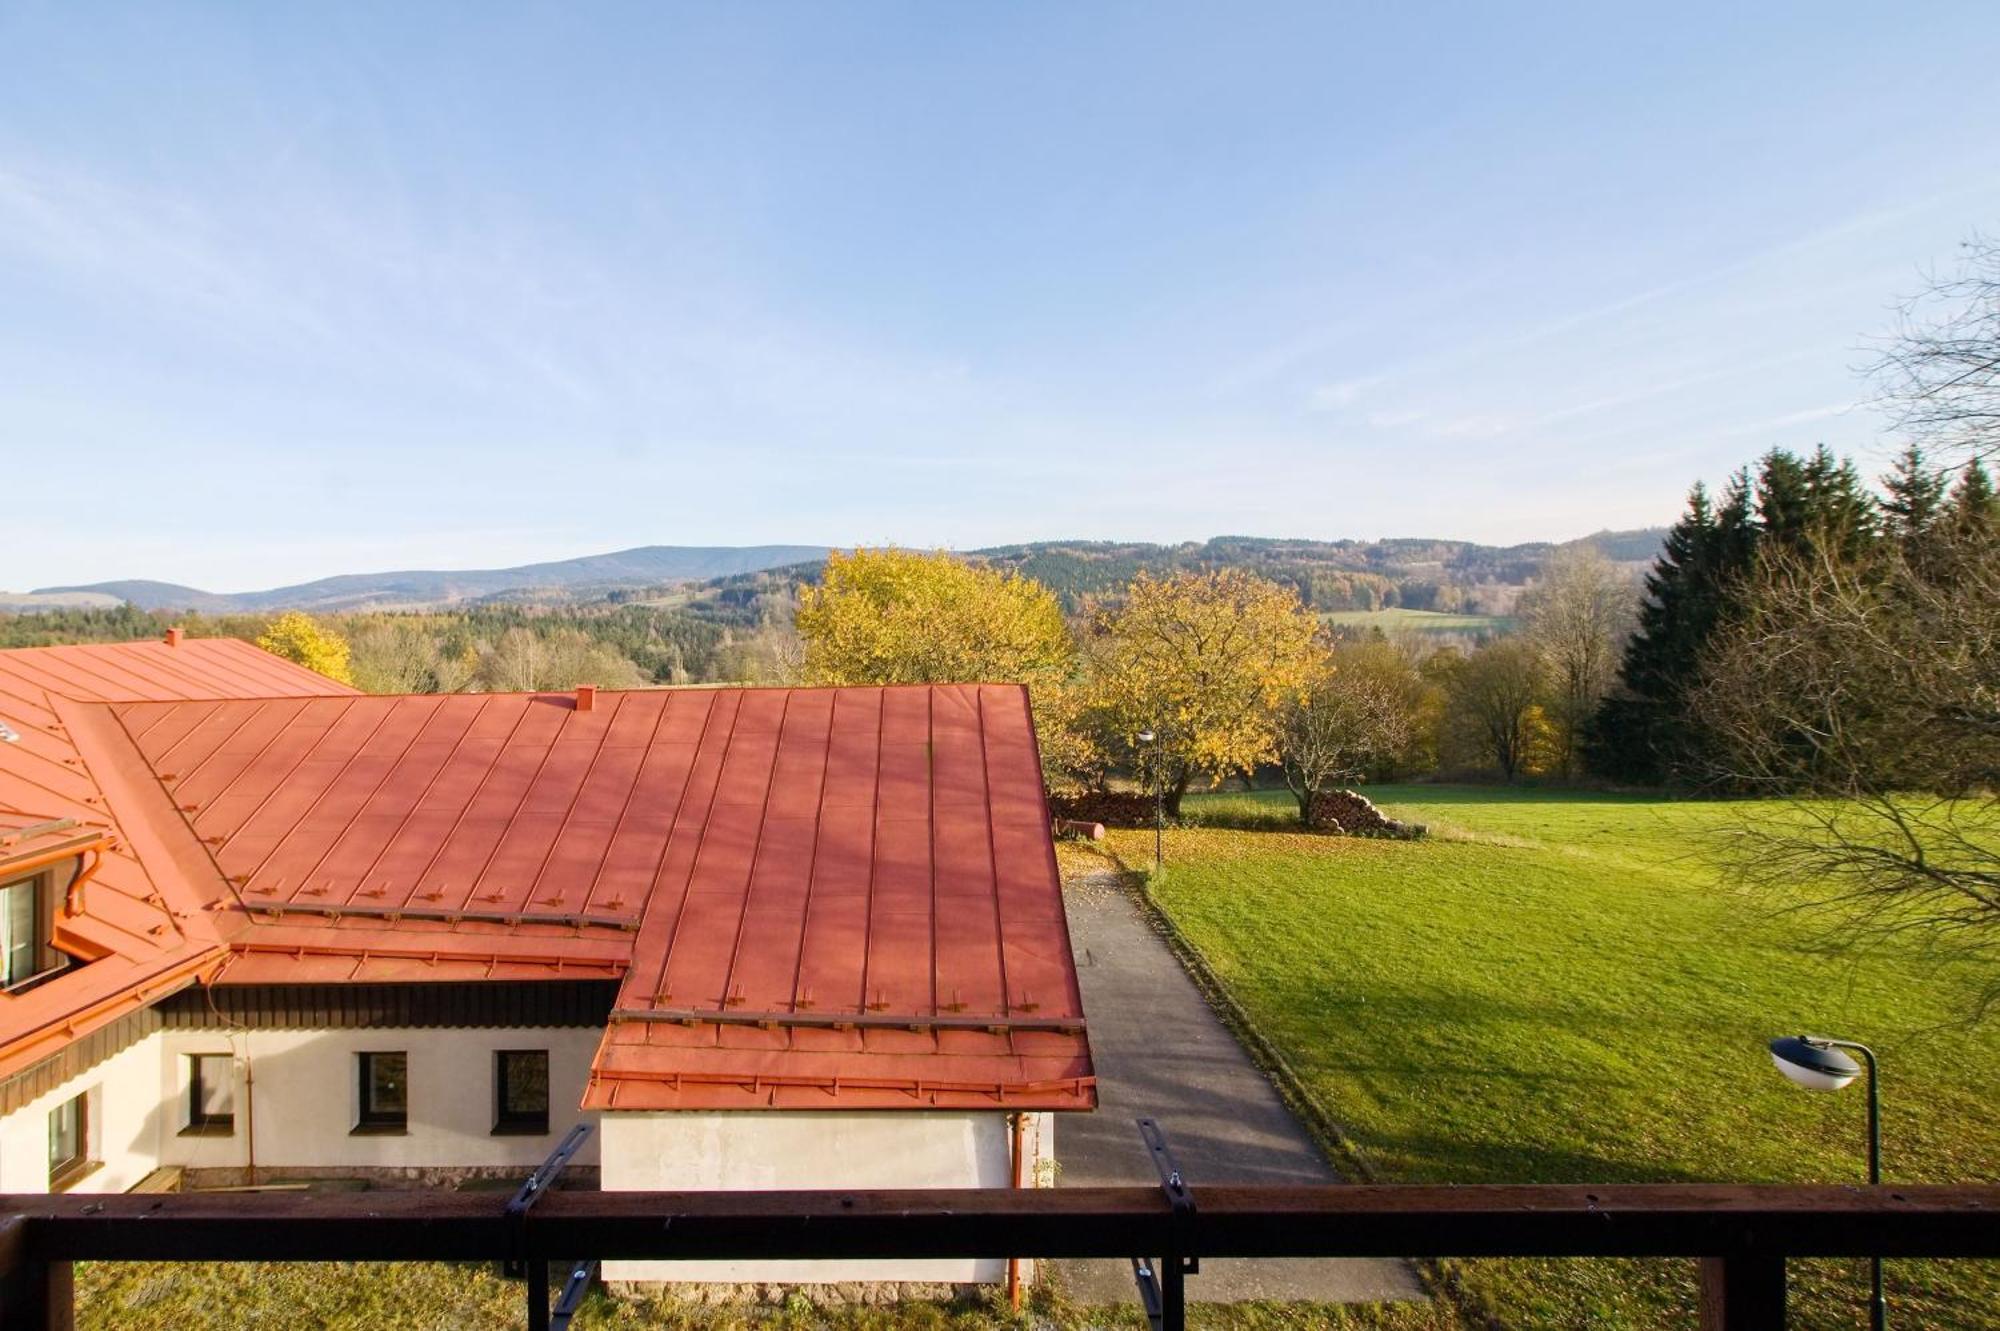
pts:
[1017, 1124]
[249, 1111]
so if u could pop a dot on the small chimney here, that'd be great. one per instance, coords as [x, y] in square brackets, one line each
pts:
[586, 697]
[173, 638]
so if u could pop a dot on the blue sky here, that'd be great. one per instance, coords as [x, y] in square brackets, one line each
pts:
[294, 290]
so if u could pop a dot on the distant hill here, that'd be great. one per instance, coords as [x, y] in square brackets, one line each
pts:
[1412, 573]
[29, 603]
[725, 583]
[1408, 573]
[560, 580]
[1627, 547]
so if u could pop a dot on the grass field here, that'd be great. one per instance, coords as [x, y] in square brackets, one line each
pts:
[1553, 987]
[423, 1296]
[1558, 987]
[1417, 621]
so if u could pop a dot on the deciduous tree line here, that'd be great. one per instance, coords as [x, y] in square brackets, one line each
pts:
[1195, 676]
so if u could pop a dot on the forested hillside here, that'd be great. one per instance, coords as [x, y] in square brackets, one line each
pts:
[740, 626]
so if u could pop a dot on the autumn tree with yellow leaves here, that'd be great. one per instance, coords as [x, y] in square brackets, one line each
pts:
[909, 617]
[1203, 662]
[906, 617]
[298, 638]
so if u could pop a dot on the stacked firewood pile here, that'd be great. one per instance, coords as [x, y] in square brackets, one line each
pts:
[1113, 808]
[1352, 813]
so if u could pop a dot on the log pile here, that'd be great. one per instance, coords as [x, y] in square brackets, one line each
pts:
[1351, 813]
[1113, 808]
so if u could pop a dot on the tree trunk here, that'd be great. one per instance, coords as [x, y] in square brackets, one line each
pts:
[1303, 791]
[1174, 793]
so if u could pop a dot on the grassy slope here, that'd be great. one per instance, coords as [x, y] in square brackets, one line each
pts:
[1557, 988]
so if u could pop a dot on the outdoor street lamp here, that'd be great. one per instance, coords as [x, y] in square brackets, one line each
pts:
[1159, 797]
[1819, 1063]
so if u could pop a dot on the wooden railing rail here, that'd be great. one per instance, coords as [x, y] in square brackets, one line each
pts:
[1746, 1232]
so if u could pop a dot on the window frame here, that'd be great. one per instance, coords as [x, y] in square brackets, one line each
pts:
[65, 1172]
[507, 1123]
[369, 1121]
[201, 1123]
[48, 960]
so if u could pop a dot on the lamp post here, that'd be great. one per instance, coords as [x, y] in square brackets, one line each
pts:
[1159, 797]
[1819, 1063]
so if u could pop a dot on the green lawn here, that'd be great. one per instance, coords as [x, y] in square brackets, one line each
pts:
[1557, 987]
[1554, 987]
[153, 1296]
[1418, 621]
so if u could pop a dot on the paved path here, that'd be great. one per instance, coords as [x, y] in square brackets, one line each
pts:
[1161, 1052]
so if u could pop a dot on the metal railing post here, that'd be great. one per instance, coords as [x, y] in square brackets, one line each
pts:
[535, 1265]
[1163, 1289]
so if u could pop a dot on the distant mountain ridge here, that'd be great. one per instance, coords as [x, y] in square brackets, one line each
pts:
[1413, 572]
[564, 579]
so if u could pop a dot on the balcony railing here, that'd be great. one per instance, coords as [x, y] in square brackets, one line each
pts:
[1744, 1234]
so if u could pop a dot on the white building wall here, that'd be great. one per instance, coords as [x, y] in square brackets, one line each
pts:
[304, 1100]
[124, 1118]
[305, 1105]
[769, 1149]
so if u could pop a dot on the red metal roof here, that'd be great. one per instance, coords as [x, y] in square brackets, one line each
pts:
[134, 919]
[817, 898]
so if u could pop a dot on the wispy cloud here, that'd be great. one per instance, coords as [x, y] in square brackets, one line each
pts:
[1790, 419]
[1345, 393]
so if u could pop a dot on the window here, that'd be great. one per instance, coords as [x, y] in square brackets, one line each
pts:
[27, 921]
[521, 1091]
[385, 1093]
[211, 1094]
[69, 1141]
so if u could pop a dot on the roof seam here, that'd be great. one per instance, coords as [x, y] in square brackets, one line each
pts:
[757, 850]
[931, 846]
[992, 851]
[457, 743]
[660, 989]
[631, 794]
[527, 789]
[812, 872]
[478, 789]
[881, 697]
[183, 778]
[324, 791]
[250, 818]
[388, 770]
[575, 796]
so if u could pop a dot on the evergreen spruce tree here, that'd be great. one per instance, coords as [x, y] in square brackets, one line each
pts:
[1842, 520]
[1737, 533]
[1676, 580]
[1783, 495]
[1974, 505]
[1817, 504]
[1913, 499]
[1636, 736]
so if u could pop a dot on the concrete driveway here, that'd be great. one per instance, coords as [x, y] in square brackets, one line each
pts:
[1162, 1053]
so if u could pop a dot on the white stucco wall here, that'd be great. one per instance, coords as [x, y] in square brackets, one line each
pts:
[769, 1149]
[305, 1105]
[124, 1114]
[306, 1098]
